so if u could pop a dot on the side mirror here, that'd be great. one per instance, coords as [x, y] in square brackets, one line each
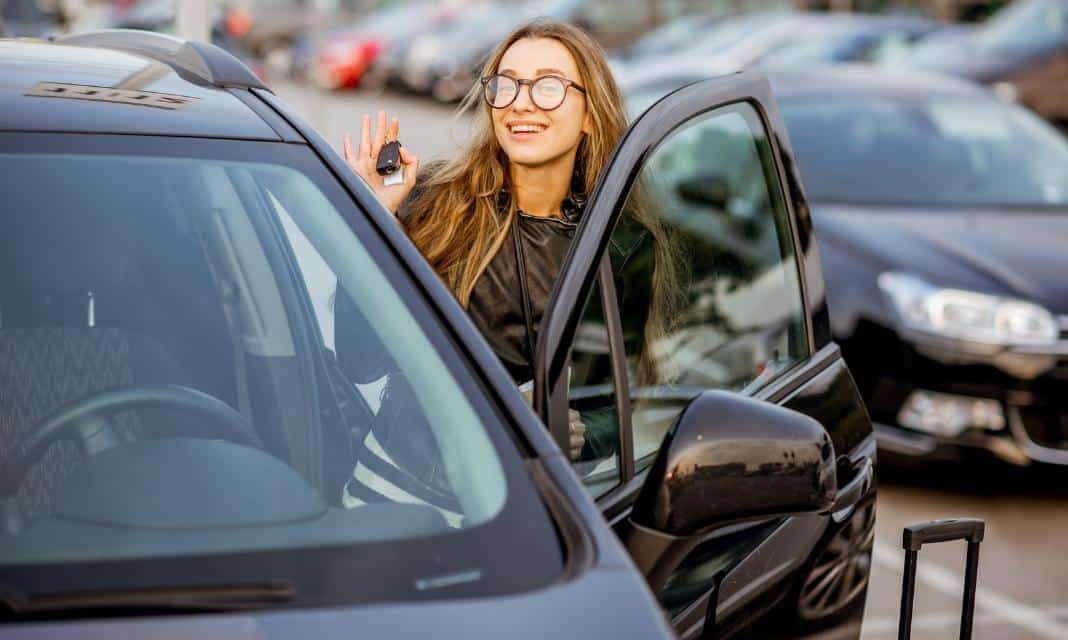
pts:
[705, 189]
[728, 459]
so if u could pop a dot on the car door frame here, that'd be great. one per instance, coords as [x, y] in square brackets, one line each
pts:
[580, 267]
[587, 263]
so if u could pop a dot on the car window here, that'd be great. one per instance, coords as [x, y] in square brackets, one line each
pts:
[226, 273]
[592, 399]
[707, 282]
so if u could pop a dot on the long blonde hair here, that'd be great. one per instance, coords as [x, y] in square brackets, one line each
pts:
[454, 219]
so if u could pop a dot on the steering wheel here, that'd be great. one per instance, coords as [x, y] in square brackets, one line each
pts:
[88, 423]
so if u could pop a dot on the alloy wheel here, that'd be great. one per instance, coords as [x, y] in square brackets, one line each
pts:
[841, 571]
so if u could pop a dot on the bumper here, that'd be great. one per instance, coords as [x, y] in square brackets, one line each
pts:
[1035, 405]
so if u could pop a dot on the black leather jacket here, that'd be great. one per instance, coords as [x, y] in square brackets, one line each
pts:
[509, 298]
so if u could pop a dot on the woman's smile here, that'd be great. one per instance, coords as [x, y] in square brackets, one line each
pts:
[523, 130]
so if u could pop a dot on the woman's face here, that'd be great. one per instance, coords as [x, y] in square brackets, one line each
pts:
[557, 132]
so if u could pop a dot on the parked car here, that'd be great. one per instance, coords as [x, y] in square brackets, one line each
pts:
[446, 63]
[223, 321]
[852, 38]
[159, 15]
[684, 31]
[942, 214]
[344, 56]
[780, 39]
[1022, 52]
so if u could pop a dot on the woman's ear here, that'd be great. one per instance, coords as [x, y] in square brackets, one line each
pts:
[587, 122]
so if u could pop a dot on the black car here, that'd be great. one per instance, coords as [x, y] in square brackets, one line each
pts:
[1021, 52]
[195, 439]
[942, 215]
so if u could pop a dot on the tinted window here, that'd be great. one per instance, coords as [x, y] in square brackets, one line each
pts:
[940, 151]
[707, 283]
[228, 269]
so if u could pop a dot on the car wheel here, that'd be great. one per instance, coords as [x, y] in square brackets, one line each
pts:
[838, 578]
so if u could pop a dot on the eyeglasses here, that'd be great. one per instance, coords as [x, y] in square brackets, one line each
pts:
[547, 92]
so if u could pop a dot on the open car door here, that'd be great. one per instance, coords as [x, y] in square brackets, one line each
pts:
[693, 288]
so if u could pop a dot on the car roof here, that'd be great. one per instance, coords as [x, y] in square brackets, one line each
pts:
[125, 82]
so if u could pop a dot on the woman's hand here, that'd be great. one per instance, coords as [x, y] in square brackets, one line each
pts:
[577, 431]
[364, 159]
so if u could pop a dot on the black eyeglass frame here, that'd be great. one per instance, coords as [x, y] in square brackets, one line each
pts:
[530, 87]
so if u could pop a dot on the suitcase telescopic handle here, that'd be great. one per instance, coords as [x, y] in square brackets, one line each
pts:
[913, 539]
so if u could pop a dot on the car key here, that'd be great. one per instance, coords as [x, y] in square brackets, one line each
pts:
[389, 164]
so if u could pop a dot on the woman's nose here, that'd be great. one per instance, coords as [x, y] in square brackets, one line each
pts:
[524, 101]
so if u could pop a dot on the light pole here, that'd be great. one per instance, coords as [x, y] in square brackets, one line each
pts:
[192, 19]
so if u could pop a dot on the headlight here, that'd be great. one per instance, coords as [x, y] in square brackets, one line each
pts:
[967, 315]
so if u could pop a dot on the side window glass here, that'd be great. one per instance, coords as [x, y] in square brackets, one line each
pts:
[592, 400]
[708, 286]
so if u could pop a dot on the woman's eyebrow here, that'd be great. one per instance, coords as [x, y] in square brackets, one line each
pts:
[539, 72]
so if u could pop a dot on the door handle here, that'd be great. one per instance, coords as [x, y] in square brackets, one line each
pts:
[855, 489]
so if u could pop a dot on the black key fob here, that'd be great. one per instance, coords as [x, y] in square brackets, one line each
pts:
[388, 159]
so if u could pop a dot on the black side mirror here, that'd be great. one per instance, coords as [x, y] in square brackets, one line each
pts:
[728, 459]
[705, 189]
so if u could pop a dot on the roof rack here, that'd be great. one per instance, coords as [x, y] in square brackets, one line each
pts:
[205, 61]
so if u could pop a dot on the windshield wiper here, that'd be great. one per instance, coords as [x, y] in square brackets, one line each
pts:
[191, 599]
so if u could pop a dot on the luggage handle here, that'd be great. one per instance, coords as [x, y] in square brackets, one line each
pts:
[913, 539]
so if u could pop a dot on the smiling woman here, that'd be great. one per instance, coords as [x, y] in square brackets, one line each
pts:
[496, 221]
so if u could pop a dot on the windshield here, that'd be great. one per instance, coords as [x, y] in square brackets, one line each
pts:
[939, 151]
[199, 358]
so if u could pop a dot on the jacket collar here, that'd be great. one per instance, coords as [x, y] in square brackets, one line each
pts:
[572, 206]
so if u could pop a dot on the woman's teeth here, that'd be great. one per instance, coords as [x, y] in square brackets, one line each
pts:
[526, 128]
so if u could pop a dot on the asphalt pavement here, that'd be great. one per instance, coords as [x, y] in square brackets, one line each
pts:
[1023, 569]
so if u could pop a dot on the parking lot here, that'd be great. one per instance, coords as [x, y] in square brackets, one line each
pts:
[1024, 564]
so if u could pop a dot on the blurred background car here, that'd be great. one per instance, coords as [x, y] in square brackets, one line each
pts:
[679, 33]
[781, 39]
[942, 215]
[446, 64]
[341, 56]
[1022, 52]
[28, 19]
[851, 38]
[159, 15]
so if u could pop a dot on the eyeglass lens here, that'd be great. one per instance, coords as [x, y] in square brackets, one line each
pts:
[546, 92]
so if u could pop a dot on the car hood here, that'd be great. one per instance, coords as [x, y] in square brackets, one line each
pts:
[1012, 252]
[605, 602]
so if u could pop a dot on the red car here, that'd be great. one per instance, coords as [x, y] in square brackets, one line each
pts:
[344, 55]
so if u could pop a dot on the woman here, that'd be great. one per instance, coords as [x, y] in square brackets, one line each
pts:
[496, 221]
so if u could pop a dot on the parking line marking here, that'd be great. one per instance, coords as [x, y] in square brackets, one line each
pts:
[938, 621]
[1000, 606]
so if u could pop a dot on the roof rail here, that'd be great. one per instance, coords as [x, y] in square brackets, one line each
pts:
[205, 61]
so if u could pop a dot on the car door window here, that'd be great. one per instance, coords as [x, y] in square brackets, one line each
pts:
[707, 282]
[592, 394]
